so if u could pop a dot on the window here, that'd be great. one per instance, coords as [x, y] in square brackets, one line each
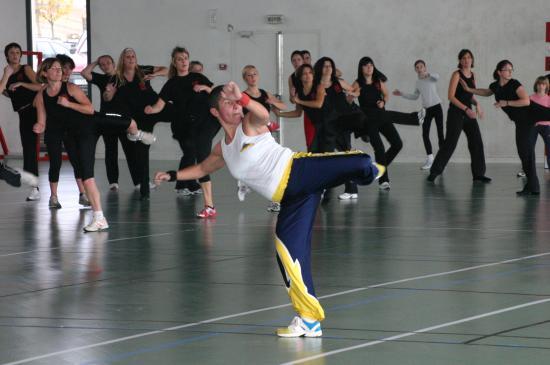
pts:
[60, 27]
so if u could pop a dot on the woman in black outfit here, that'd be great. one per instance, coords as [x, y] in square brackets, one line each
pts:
[513, 99]
[19, 84]
[372, 94]
[461, 117]
[193, 125]
[134, 93]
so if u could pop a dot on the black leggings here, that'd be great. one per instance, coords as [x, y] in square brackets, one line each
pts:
[27, 119]
[433, 112]
[457, 122]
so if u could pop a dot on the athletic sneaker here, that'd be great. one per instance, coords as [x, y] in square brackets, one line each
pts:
[242, 190]
[54, 203]
[207, 212]
[184, 192]
[546, 164]
[83, 200]
[97, 225]
[143, 137]
[152, 186]
[384, 186]
[299, 327]
[113, 187]
[429, 162]
[520, 174]
[347, 196]
[421, 116]
[34, 195]
[274, 207]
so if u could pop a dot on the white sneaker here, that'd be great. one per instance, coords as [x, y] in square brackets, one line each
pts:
[184, 192]
[113, 187]
[97, 225]
[546, 164]
[347, 196]
[152, 186]
[429, 162]
[421, 116]
[143, 137]
[274, 207]
[27, 178]
[384, 186]
[34, 195]
[521, 174]
[299, 327]
[242, 190]
[53, 203]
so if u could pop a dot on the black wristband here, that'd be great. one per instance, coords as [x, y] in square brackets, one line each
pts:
[173, 175]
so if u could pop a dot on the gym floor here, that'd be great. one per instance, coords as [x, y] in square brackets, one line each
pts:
[451, 273]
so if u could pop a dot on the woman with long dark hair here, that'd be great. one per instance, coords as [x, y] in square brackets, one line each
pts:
[462, 118]
[513, 99]
[19, 84]
[370, 87]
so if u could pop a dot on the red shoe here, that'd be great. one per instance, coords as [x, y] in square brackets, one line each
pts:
[207, 212]
[273, 126]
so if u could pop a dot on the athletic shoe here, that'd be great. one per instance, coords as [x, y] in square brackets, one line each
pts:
[207, 212]
[274, 207]
[83, 200]
[34, 195]
[143, 137]
[347, 196]
[520, 174]
[273, 126]
[11, 176]
[546, 164]
[113, 187]
[242, 190]
[54, 203]
[299, 327]
[152, 186]
[384, 186]
[97, 225]
[421, 116]
[381, 170]
[429, 162]
[184, 192]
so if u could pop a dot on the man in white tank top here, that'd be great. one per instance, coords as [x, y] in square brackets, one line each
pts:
[296, 180]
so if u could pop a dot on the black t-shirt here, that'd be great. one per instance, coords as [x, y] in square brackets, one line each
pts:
[135, 95]
[509, 92]
[101, 81]
[179, 91]
[22, 96]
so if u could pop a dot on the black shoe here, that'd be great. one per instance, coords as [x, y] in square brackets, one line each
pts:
[526, 192]
[431, 177]
[11, 176]
[483, 179]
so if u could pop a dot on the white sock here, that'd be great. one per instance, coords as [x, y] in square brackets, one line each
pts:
[98, 214]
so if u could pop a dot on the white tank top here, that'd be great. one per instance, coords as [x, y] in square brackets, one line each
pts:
[258, 161]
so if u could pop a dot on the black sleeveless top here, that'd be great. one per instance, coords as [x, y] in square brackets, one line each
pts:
[21, 97]
[262, 99]
[461, 94]
[314, 114]
[59, 117]
[370, 95]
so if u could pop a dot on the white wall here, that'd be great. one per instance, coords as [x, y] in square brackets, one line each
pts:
[393, 32]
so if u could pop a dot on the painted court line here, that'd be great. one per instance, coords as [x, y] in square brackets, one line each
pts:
[423, 330]
[265, 309]
[113, 240]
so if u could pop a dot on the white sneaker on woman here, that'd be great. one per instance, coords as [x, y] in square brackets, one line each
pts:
[429, 162]
[347, 196]
[143, 137]
[97, 225]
